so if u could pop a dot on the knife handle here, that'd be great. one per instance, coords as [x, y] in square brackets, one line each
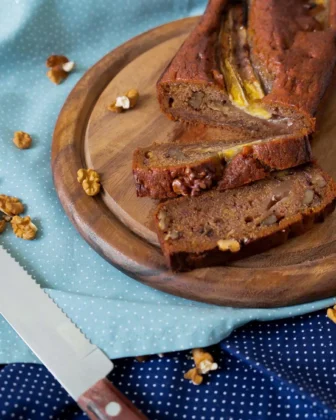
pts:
[104, 402]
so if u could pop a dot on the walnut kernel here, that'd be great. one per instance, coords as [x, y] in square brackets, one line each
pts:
[331, 314]
[57, 75]
[228, 245]
[23, 227]
[163, 219]
[319, 181]
[90, 181]
[204, 361]
[91, 186]
[204, 364]
[308, 197]
[133, 96]
[115, 108]
[81, 175]
[11, 206]
[56, 60]
[2, 225]
[174, 234]
[179, 188]
[60, 67]
[125, 102]
[149, 155]
[22, 140]
[194, 376]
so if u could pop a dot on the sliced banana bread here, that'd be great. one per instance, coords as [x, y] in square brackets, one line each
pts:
[170, 170]
[215, 228]
[258, 66]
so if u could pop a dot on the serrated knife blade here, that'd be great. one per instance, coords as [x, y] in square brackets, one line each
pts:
[80, 366]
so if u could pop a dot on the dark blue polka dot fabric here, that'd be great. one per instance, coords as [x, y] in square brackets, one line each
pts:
[281, 369]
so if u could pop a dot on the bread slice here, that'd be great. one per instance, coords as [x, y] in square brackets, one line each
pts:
[169, 170]
[260, 70]
[215, 228]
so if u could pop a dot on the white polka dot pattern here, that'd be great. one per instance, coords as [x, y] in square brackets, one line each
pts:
[280, 369]
[120, 315]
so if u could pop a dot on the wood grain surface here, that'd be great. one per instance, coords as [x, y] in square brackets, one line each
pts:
[119, 225]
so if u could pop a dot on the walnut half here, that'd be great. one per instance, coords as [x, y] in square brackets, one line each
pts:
[90, 181]
[23, 227]
[11, 206]
[22, 140]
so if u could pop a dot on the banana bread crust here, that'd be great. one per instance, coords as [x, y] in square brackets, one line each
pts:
[297, 51]
[293, 60]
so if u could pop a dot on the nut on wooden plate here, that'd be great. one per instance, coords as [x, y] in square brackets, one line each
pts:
[90, 181]
[125, 102]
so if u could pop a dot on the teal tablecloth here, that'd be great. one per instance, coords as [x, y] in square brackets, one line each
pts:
[120, 315]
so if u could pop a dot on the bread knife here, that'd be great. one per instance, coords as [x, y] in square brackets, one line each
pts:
[74, 361]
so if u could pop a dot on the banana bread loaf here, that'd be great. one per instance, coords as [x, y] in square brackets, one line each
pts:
[215, 228]
[169, 170]
[260, 69]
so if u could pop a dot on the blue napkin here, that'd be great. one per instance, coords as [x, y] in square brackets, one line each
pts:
[272, 370]
[120, 315]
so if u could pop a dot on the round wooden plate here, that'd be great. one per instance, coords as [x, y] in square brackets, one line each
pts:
[119, 225]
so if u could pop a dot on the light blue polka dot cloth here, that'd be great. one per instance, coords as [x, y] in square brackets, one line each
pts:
[120, 315]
